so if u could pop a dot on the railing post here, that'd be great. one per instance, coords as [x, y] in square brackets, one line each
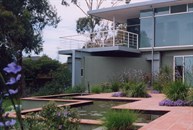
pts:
[128, 39]
[137, 42]
[113, 31]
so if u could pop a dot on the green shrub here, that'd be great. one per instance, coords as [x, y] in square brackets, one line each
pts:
[176, 90]
[163, 78]
[119, 120]
[76, 89]
[53, 118]
[106, 87]
[137, 90]
[96, 89]
[190, 95]
[116, 86]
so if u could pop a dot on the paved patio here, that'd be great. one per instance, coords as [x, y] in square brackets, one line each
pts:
[177, 118]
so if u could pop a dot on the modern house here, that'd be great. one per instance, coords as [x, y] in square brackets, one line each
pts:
[159, 33]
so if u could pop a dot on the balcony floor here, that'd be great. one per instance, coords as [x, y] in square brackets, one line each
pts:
[114, 51]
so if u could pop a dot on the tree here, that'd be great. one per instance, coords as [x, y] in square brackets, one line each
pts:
[22, 22]
[87, 23]
[21, 25]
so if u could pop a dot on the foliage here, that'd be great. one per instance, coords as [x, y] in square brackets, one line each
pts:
[44, 73]
[53, 118]
[163, 78]
[9, 90]
[106, 87]
[190, 94]
[116, 86]
[61, 80]
[119, 120]
[137, 90]
[176, 90]
[96, 89]
[76, 89]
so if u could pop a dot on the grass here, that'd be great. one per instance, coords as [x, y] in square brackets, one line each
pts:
[119, 120]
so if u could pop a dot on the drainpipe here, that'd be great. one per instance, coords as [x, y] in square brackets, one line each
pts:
[73, 68]
[113, 31]
[152, 51]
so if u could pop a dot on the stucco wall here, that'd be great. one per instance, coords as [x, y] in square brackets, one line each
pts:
[167, 57]
[103, 69]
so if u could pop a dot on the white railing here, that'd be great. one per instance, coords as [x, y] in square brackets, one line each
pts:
[113, 38]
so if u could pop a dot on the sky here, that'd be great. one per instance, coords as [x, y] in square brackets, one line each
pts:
[67, 27]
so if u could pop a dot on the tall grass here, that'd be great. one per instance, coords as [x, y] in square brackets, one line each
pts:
[119, 120]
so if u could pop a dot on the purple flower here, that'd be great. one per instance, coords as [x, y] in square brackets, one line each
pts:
[11, 92]
[11, 81]
[155, 91]
[117, 94]
[12, 68]
[18, 77]
[8, 123]
[168, 102]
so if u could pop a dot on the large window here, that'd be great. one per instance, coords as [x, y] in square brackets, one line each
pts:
[146, 32]
[174, 30]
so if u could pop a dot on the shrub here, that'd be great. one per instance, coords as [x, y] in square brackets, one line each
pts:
[106, 87]
[137, 90]
[190, 95]
[76, 89]
[53, 118]
[96, 89]
[116, 86]
[163, 78]
[176, 90]
[119, 120]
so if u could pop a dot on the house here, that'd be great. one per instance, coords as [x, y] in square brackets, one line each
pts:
[158, 33]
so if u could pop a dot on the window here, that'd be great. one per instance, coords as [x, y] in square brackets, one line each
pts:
[190, 7]
[184, 69]
[179, 8]
[174, 30]
[146, 13]
[160, 11]
[146, 32]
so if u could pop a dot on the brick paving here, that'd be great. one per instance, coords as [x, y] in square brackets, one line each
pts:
[176, 118]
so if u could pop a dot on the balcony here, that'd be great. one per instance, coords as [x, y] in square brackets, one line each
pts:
[112, 38]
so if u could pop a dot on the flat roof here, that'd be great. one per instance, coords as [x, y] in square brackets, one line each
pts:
[106, 51]
[123, 12]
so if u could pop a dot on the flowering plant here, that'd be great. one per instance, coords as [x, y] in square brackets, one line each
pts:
[9, 89]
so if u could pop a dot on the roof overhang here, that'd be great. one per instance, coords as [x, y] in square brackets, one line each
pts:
[128, 11]
[115, 51]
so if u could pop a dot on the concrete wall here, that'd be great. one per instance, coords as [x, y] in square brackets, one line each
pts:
[167, 57]
[102, 69]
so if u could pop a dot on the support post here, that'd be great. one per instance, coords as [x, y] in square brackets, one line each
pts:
[73, 68]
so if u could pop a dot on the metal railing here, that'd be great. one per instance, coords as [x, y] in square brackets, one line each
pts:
[113, 38]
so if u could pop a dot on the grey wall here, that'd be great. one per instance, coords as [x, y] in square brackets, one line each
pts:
[167, 57]
[102, 69]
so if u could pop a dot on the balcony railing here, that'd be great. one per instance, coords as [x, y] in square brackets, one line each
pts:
[113, 38]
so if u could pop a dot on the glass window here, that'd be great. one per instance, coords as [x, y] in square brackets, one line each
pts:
[174, 30]
[188, 70]
[146, 32]
[190, 7]
[179, 68]
[146, 13]
[160, 11]
[133, 21]
[178, 8]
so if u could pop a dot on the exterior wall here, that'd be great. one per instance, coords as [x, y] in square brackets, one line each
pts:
[167, 57]
[103, 69]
